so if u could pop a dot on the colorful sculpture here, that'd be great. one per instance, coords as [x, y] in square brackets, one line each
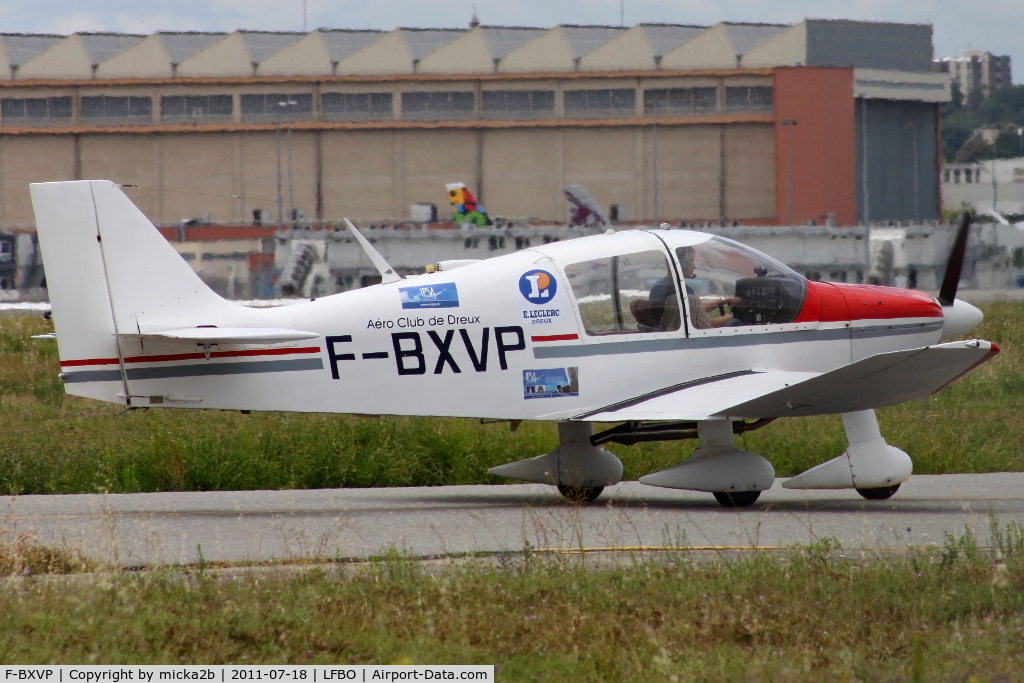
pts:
[464, 206]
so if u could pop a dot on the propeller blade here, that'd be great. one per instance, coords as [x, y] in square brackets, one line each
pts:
[950, 281]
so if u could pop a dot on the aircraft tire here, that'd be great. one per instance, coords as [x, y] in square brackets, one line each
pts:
[881, 493]
[736, 499]
[578, 495]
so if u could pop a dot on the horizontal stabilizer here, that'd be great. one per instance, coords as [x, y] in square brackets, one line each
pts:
[225, 335]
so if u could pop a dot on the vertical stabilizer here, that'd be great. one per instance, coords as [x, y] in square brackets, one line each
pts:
[76, 278]
[110, 272]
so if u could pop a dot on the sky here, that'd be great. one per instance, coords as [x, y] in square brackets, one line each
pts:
[993, 25]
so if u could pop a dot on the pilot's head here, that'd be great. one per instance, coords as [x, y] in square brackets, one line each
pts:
[686, 256]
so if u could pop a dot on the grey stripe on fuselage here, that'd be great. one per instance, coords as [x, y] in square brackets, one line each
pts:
[195, 370]
[680, 343]
[75, 376]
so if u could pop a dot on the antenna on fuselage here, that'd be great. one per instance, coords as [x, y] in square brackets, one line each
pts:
[387, 273]
[951, 280]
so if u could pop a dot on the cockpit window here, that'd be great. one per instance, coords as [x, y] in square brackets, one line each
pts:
[626, 293]
[730, 285]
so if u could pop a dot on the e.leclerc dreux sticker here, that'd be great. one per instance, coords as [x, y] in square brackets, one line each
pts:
[538, 286]
[442, 295]
[551, 383]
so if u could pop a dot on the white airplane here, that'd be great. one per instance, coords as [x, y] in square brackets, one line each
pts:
[673, 334]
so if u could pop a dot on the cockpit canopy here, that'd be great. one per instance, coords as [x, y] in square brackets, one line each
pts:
[726, 285]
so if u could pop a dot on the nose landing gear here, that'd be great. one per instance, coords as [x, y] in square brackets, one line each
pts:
[880, 493]
[580, 494]
[736, 499]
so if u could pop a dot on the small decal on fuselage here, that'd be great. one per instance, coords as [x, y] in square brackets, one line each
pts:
[441, 295]
[538, 286]
[542, 316]
[551, 383]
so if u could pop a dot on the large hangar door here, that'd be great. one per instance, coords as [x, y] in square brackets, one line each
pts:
[897, 142]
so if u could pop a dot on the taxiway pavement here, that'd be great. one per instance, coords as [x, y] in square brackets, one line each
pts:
[258, 526]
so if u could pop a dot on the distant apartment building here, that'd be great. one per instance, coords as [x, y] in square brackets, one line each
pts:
[978, 70]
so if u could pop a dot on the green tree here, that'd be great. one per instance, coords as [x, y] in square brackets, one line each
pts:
[1008, 144]
[953, 138]
[1004, 106]
[959, 122]
[973, 150]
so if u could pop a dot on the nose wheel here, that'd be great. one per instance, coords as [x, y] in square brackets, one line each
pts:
[579, 495]
[736, 499]
[880, 493]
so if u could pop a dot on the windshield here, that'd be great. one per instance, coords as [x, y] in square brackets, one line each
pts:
[731, 285]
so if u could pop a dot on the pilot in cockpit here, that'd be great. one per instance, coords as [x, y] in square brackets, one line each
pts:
[699, 307]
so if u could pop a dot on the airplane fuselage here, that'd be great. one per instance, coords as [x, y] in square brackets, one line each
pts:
[504, 338]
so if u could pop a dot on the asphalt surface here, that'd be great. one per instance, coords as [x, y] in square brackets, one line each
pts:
[257, 526]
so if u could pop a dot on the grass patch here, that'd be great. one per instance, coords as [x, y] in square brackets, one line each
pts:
[810, 614]
[57, 444]
[22, 555]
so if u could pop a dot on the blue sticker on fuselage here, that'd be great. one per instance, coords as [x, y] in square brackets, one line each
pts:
[442, 295]
[551, 383]
[538, 286]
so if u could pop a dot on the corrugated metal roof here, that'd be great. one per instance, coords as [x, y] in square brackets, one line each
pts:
[584, 39]
[882, 45]
[181, 46]
[341, 43]
[504, 39]
[262, 44]
[745, 37]
[423, 41]
[21, 47]
[103, 46]
[666, 37]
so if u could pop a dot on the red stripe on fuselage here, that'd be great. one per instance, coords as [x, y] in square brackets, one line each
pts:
[840, 302]
[555, 337]
[89, 361]
[191, 356]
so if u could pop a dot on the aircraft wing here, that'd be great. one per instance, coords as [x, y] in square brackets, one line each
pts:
[877, 381]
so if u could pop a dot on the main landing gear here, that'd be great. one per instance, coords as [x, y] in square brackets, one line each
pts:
[735, 477]
[579, 469]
